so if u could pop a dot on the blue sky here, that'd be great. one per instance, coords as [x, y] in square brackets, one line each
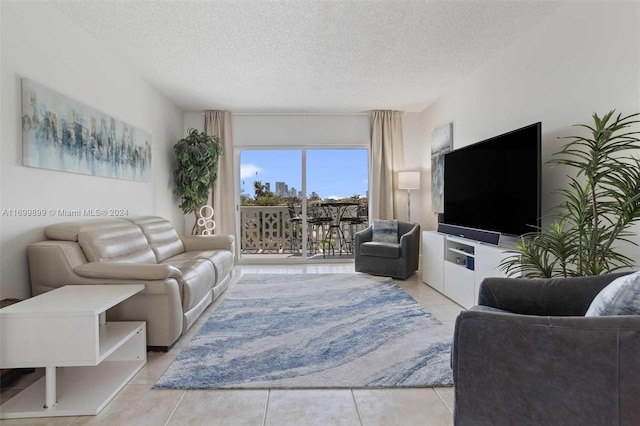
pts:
[330, 172]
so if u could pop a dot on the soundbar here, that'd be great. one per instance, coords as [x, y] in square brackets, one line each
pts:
[489, 237]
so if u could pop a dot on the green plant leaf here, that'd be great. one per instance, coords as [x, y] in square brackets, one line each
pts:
[600, 203]
[197, 157]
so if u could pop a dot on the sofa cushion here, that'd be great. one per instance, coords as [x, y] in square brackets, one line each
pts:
[198, 277]
[385, 231]
[620, 297]
[222, 260]
[388, 250]
[161, 235]
[68, 231]
[123, 243]
[223, 263]
[191, 255]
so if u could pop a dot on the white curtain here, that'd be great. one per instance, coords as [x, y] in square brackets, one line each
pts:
[218, 123]
[387, 158]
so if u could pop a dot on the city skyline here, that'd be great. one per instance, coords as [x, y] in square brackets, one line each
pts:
[331, 173]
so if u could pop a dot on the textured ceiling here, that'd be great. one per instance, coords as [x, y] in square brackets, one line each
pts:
[305, 56]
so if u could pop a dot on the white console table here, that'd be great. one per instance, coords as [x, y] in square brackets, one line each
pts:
[87, 360]
[456, 266]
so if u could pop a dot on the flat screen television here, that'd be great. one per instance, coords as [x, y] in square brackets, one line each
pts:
[494, 185]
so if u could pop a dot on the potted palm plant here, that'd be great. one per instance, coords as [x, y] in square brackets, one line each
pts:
[600, 204]
[197, 157]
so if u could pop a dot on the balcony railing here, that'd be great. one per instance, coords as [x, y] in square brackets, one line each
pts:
[265, 229]
[269, 230]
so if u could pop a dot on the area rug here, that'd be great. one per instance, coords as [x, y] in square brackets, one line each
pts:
[314, 331]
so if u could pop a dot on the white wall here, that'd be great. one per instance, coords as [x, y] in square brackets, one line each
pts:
[40, 43]
[310, 129]
[193, 120]
[584, 58]
[415, 139]
[270, 130]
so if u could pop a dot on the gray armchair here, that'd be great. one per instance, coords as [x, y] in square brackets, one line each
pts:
[528, 356]
[389, 259]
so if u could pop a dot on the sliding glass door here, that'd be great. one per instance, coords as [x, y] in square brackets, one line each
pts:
[301, 204]
[337, 190]
[270, 182]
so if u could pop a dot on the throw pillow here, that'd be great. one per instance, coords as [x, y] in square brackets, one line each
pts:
[620, 297]
[385, 231]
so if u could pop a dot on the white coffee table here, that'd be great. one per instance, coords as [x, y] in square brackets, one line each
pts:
[87, 360]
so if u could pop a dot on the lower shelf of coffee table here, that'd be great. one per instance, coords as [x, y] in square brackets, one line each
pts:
[81, 391]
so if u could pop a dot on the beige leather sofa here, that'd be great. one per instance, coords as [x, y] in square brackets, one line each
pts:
[182, 275]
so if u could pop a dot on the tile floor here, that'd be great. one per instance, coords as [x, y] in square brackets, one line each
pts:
[139, 404]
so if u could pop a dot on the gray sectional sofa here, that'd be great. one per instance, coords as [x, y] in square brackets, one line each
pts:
[182, 274]
[528, 356]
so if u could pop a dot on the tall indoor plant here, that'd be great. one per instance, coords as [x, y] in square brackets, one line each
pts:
[599, 205]
[197, 157]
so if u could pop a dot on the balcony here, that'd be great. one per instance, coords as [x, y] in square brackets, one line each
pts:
[269, 232]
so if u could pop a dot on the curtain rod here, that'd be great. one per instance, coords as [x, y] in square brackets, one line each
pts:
[298, 113]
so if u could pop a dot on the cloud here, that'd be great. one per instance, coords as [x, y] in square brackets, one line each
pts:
[334, 197]
[249, 171]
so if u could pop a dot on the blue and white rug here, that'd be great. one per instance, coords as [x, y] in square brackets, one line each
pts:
[315, 331]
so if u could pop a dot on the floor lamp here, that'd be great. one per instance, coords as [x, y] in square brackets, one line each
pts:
[409, 181]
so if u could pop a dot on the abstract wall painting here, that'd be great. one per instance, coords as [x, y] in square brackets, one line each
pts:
[59, 133]
[441, 143]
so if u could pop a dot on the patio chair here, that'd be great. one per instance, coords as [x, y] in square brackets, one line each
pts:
[355, 219]
[317, 223]
[295, 229]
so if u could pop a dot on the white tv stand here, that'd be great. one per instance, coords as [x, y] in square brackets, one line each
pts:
[456, 266]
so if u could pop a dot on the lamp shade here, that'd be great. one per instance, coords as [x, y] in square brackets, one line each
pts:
[409, 180]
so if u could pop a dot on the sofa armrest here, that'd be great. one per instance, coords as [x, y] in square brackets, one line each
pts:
[410, 246]
[364, 236]
[127, 271]
[208, 242]
[409, 239]
[553, 296]
[549, 369]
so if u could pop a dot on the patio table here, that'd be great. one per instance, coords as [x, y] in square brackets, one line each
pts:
[336, 211]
